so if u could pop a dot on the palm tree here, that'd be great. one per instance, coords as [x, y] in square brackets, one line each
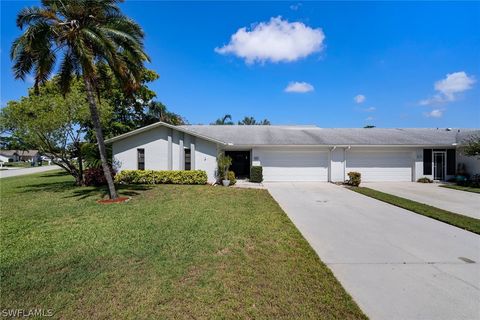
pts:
[84, 34]
[157, 111]
[248, 121]
[226, 120]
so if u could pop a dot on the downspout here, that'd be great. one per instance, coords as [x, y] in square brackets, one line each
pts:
[345, 163]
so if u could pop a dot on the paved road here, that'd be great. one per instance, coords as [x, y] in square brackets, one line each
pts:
[396, 264]
[466, 203]
[21, 172]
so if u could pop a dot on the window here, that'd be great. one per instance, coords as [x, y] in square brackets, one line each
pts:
[427, 161]
[451, 164]
[141, 159]
[188, 159]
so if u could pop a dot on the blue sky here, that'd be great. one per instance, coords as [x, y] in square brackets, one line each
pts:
[415, 64]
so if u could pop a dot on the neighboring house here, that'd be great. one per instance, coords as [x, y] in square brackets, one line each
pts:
[297, 153]
[8, 156]
[29, 155]
[20, 155]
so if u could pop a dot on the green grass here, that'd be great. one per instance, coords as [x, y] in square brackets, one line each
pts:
[462, 188]
[455, 219]
[196, 252]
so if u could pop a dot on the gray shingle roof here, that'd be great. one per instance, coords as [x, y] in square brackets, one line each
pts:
[27, 153]
[310, 135]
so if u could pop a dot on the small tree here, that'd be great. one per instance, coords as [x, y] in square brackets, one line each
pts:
[53, 123]
[472, 146]
[223, 162]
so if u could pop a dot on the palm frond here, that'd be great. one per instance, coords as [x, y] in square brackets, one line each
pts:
[32, 15]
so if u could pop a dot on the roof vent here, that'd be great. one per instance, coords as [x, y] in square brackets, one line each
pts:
[449, 129]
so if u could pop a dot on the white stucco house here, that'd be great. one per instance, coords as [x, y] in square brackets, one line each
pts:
[298, 153]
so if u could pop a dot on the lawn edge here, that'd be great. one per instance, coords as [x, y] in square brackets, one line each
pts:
[459, 188]
[464, 226]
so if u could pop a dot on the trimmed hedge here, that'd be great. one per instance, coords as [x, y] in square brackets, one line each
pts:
[162, 177]
[256, 174]
[424, 180]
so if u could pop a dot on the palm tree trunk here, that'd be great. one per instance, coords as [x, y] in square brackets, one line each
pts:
[99, 134]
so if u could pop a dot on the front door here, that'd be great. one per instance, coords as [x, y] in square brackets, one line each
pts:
[438, 165]
[240, 163]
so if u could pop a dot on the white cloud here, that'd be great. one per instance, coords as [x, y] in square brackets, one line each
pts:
[295, 6]
[435, 113]
[359, 98]
[276, 40]
[370, 109]
[299, 87]
[449, 87]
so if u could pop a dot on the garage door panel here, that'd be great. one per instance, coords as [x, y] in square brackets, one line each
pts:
[294, 165]
[381, 166]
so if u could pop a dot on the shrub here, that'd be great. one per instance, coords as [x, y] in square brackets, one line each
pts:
[95, 176]
[424, 180]
[256, 174]
[162, 177]
[223, 162]
[355, 178]
[474, 181]
[231, 177]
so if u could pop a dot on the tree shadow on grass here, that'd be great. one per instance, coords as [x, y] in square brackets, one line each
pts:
[74, 191]
[102, 192]
[61, 173]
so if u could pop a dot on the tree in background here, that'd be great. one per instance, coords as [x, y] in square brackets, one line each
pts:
[225, 120]
[157, 111]
[84, 33]
[54, 123]
[250, 121]
[369, 126]
[10, 141]
[472, 146]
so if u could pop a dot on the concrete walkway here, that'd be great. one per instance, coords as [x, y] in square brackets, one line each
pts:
[24, 171]
[396, 264]
[462, 202]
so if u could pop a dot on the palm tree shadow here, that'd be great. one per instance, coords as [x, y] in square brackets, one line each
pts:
[82, 192]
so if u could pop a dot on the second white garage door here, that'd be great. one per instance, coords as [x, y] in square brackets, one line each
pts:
[294, 165]
[381, 166]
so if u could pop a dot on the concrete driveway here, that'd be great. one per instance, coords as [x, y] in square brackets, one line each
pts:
[24, 171]
[462, 202]
[396, 264]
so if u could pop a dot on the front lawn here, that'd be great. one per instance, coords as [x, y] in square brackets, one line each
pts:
[197, 252]
[462, 188]
[455, 219]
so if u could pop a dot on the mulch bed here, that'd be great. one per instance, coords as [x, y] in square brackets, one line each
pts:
[118, 200]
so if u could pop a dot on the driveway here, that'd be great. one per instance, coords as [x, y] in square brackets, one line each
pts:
[466, 203]
[24, 171]
[396, 264]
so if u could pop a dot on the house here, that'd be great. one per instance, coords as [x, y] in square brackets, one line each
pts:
[8, 156]
[298, 153]
[20, 155]
[29, 155]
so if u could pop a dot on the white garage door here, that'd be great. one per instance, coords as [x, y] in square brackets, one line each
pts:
[381, 166]
[294, 165]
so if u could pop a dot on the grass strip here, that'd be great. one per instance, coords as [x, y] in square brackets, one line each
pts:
[454, 219]
[461, 188]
